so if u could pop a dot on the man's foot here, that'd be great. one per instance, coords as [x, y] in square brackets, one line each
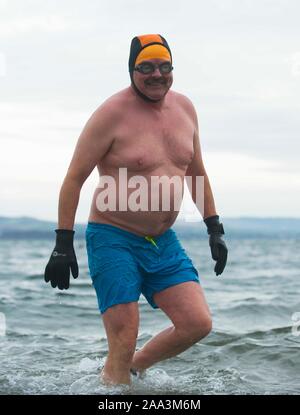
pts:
[111, 381]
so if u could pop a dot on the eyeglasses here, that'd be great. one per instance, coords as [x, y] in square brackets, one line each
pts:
[147, 68]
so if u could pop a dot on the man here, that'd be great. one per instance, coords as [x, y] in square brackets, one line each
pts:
[150, 131]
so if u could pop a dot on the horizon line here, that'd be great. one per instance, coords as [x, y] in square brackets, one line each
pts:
[178, 218]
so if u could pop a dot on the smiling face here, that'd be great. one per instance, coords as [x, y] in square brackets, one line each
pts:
[154, 85]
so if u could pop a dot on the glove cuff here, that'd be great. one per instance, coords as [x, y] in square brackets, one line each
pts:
[213, 225]
[64, 236]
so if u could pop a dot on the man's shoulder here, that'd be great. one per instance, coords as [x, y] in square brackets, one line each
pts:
[113, 102]
[185, 102]
[112, 107]
[119, 97]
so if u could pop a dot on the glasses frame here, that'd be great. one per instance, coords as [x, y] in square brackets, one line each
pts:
[154, 66]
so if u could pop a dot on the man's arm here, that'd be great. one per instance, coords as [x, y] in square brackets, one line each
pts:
[196, 168]
[93, 143]
[211, 219]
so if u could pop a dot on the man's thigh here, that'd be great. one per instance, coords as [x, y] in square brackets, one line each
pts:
[183, 303]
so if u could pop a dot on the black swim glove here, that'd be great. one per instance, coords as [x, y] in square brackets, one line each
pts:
[62, 259]
[217, 245]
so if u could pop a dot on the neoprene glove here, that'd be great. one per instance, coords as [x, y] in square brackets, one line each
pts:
[62, 259]
[217, 245]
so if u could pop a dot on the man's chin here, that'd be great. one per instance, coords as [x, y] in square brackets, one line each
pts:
[155, 92]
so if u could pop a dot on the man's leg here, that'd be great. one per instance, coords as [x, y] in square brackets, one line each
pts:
[121, 324]
[186, 306]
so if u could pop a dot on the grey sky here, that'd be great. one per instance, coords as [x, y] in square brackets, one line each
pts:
[237, 60]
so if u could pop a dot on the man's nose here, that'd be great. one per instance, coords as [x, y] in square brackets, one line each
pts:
[156, 72]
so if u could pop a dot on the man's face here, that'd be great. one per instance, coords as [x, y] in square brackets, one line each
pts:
[154, 85]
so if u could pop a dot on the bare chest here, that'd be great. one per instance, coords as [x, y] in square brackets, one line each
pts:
[146, 143]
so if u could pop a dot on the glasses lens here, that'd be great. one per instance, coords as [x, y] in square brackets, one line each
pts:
[146, 68]
[165, 67]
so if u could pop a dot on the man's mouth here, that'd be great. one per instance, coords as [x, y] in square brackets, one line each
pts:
[155, 83]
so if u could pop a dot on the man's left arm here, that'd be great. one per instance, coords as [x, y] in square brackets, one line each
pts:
[205, 202]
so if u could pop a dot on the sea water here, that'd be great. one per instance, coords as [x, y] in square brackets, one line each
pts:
[53, 342]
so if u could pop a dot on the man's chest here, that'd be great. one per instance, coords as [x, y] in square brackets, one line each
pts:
[143, 143]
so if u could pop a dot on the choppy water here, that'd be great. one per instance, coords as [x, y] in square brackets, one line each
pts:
[55, 341]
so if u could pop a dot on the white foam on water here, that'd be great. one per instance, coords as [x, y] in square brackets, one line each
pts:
[92, 385]
[154, 380]
[89, 365]
[157, 380]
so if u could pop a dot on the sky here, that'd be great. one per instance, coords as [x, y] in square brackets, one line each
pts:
[237, 60]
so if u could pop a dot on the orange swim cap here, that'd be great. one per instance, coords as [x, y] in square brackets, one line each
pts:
[153, 52]
[142, 47]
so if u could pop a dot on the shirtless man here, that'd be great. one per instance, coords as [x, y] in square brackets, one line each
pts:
[150, 131]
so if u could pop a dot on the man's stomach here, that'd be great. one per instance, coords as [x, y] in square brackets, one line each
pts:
[151, 219]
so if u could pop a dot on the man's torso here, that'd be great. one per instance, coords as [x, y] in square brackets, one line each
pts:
[147, 143]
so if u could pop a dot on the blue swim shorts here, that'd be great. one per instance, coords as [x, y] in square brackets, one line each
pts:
[123, 264]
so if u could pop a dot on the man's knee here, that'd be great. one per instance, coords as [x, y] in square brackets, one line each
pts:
[198, 328]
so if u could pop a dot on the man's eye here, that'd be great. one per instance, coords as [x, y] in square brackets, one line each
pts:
[146, 68]
[165, 67]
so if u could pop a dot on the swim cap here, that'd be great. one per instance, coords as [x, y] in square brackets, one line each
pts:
[147, 47]
[153, 52]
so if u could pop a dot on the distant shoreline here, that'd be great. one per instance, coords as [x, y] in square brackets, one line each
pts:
[25, 227]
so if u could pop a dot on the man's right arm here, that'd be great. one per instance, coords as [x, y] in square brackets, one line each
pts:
[93, 143]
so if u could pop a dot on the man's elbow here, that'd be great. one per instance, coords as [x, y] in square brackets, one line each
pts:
[75, 179]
